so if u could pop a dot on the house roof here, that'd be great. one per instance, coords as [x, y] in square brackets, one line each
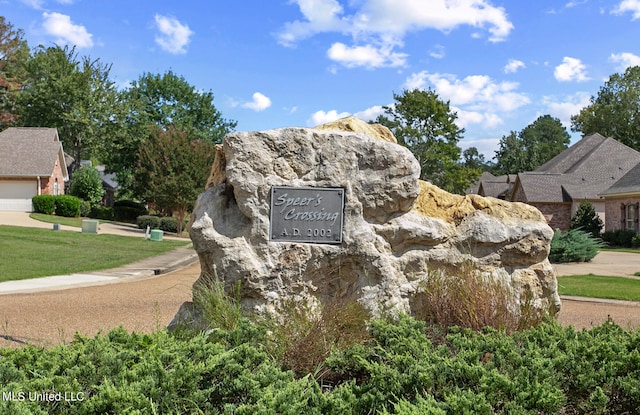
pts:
[496, 186]
[30, 152]
[583, 171]
[629, 183]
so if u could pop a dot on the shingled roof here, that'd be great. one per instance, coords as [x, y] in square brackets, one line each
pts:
[629, 183]
[30, 152]
[583, 171]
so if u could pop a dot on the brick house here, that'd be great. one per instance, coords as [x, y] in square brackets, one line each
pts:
[580, 173]
[31, 163]
[622, 202]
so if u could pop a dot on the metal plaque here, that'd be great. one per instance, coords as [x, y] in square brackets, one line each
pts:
[306, 214]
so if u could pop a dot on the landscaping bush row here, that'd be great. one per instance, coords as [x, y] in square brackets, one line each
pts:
[624, 238]
[61, 205]
[165, 223]
[406, 367]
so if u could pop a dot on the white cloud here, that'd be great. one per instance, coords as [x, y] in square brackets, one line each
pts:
[632, 6]
[571, 69]
[34, 4]
[371, 113]
[260, 102]
[322, 117]
[513, 66]
[486, 119]
[61, 26]
[174, 36]
[624, 60]
[475, 91]
[368, 56]
[438, 52]
[565, 107]
[378, 26]
[476, 99]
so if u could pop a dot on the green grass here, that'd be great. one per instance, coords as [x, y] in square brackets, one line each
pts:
[598, 286]
[77, 222]
[31, 253]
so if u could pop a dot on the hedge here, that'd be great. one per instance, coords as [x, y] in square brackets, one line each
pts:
[128, 210]
[407, 367]
[44, 204]
[68, 206]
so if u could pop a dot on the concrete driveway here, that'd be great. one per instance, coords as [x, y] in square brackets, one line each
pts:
[621, 264]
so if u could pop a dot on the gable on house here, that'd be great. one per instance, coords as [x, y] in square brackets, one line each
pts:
[581, 172]
[31, 163]
[622, 202]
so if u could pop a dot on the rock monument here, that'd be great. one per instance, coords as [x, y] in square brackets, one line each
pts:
[338, 213]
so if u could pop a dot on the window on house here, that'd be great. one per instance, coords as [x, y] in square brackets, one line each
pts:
[55, 188]
[631, 217]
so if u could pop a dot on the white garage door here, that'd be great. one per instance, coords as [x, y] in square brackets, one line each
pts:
[16, 195]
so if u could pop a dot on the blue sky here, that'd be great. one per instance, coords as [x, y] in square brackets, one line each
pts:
[279, 63]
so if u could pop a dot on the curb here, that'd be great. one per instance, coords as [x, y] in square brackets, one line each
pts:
[600, 300]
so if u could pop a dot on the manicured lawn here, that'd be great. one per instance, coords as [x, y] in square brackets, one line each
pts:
[77, 222]
[31, 253]
[598, 286]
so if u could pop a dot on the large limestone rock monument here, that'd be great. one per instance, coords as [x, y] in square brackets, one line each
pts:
[338, 213]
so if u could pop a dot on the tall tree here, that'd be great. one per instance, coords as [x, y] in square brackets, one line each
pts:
[615, 111]
[162, 101]
[172, 170]
[169, 100]
[474, 159]
[72, 94]
[536, 144]
[426, 126]
[14, 53]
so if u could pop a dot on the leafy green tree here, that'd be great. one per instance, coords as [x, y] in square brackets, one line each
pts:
[162, 101]
[536, 144]
[587, 220]
[172, 170]
[426, 125]
[87, 185]
[72, 94]
[14, 53]
[615, 111]
[473, 159]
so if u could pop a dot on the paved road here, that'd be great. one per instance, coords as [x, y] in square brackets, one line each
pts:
[605, 263]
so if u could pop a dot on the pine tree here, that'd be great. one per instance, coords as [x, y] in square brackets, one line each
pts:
[587, 219]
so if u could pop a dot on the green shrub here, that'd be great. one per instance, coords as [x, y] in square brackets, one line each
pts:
[635, 241]
[587, 220]
[85, 208]
[146, 220]
[404, 367]
[86, 184]
[620, 237]
[574, 246]
[44, 204]
[128, 210]
[67, 206]
[169, 224]
[102, 212]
